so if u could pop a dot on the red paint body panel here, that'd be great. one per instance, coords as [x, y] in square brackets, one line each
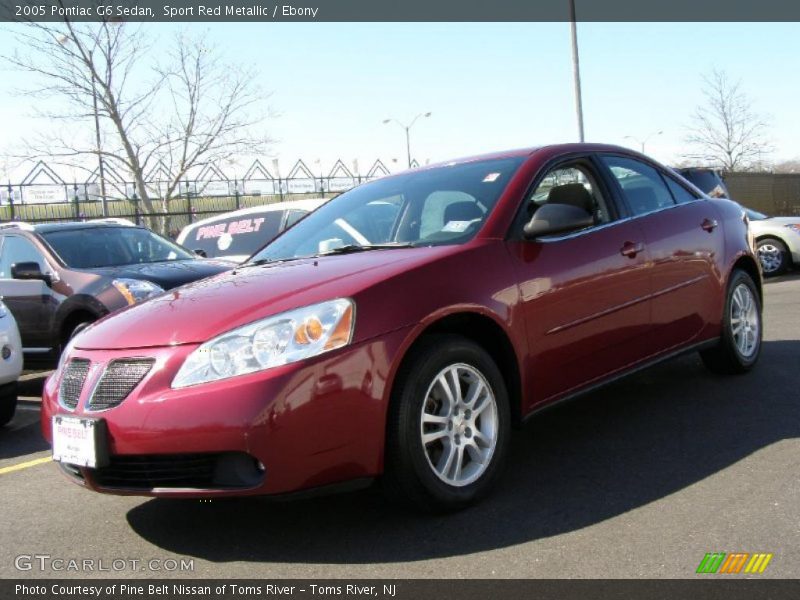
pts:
[575, 311]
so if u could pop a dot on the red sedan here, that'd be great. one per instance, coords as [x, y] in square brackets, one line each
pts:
[405, 327]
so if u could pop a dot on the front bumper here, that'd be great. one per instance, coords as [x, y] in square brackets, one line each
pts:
[309, 424]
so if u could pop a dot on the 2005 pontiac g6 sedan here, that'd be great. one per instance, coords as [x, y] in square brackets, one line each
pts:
[405, 327]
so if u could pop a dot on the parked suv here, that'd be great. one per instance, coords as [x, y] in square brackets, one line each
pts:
[56, 278]
[489, 288]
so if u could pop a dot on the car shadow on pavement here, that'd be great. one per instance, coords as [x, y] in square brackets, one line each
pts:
[21, 436]
[790, 276]
[607, 453]
[31, 384]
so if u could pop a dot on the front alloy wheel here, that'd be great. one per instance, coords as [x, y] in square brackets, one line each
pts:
[448, 425]
[458, 425]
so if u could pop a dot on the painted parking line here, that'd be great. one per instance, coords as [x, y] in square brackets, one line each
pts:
[25, 465]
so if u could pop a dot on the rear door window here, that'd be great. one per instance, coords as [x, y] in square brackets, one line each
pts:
[642, 185]
[235, 236]
[680, 193]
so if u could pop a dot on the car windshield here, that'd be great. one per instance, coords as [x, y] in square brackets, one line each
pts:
[93, 247]
[442, 205]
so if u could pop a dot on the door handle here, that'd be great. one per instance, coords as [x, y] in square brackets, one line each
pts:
[709, 225]
[631, 249]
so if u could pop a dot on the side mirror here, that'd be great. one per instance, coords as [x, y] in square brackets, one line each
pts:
[29, 270]
[557, 218]
[201, 253]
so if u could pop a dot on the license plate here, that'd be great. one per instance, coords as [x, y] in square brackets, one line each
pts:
[79, 441]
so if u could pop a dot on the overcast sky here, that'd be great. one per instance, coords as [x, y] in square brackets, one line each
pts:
[489, 86]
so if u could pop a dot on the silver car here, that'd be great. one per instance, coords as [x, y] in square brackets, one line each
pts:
[777, 241]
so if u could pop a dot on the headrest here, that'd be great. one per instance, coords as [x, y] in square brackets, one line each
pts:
[573, 194]
[462, 211]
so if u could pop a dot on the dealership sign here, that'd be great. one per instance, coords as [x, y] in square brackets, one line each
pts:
[44, 193]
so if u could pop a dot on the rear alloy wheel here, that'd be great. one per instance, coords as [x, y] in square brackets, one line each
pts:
[740, 343]
[448, 427]
[773, 256]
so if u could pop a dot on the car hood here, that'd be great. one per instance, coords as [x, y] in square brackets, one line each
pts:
[202, 310]
[168, 274]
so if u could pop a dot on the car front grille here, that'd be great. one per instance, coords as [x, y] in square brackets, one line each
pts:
[118, 380]
[227, 470]
[72, 381]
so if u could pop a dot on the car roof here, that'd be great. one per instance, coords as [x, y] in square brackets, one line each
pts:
[530, 151]
[62, 226]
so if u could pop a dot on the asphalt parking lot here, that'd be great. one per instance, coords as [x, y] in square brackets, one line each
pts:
[640, 479]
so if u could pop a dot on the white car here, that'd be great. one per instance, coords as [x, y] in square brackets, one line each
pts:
[10, 364]
[236, 235]
[777, 241]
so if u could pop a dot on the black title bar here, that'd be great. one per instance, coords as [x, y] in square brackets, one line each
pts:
[398, 10]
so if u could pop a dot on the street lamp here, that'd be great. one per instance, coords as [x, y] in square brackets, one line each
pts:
[63, 41]
[408, 130]
[576, 69]
[645, 140]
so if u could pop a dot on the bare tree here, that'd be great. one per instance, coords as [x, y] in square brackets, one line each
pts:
[189, 111]
[725, 130]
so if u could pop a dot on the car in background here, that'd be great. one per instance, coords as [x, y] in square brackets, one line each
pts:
[777, 241]
[10, 364]
[57, 278]
[237, 235]
[777, 238]
[488, 288]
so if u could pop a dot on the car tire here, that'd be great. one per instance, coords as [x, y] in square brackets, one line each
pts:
[8, 403]
[773, 256]
[742, 326]
[466, 448]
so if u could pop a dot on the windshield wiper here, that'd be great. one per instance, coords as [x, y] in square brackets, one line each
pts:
[266, 261]
[348, 249]
[351, 248]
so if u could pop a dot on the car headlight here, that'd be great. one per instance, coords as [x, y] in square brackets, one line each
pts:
[277, 340]
[136, 290]
[794, 227]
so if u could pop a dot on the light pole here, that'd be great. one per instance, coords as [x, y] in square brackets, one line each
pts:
[643, 142]
[408, 131]
[576, 69]
[63, 41]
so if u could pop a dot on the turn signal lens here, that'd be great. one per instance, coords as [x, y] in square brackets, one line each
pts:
[309, 331]
[340, 336]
